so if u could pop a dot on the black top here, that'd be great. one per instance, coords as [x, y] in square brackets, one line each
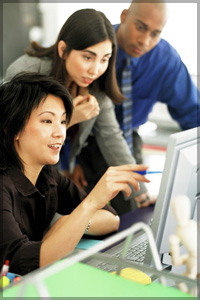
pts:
[26, 212]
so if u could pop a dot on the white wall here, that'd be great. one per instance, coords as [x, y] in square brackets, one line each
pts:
[180, 30]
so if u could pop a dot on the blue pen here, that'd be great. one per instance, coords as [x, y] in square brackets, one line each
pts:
[146, 172]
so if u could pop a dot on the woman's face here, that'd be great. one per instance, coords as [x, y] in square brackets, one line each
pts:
[85, 66]
[40, 141]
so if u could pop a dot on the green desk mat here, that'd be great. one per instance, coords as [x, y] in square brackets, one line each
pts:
[81, 280]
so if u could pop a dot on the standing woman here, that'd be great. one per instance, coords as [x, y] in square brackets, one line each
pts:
[83, 60]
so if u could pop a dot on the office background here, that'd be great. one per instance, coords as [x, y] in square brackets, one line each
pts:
[41, 21]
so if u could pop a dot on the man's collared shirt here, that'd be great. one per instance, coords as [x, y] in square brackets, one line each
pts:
[160, 76]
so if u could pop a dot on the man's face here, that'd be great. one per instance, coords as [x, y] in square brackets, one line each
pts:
[140, 28]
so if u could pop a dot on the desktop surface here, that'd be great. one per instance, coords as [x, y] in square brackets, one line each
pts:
[75, 280]
[80, 280]
[143, 214]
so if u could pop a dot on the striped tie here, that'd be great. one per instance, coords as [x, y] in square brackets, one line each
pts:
[126, 88]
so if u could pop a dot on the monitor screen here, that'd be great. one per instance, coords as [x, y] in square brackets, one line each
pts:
[180, 176]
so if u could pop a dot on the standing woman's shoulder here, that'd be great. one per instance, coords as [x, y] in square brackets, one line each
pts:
[26, 63]
[104, 100]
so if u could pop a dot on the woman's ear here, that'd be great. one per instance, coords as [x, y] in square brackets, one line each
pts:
[61, 49]
[17, 137]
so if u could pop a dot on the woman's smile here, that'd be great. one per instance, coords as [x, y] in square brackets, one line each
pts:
[55, 147]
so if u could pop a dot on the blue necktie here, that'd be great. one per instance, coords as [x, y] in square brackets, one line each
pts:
[126, 88]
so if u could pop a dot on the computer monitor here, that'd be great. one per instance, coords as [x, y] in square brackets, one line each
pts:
[181, 176]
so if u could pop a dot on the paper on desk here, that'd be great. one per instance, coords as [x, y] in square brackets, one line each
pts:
[87, 243]
[81, 275]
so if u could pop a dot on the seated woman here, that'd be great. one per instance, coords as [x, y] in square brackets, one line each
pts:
[34, 113]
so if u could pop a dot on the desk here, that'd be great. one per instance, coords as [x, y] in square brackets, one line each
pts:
[82, 280]
[143, 214]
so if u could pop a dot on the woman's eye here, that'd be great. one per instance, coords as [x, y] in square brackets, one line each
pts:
[64, 122]
[87, 57]
[105, 60]
[47, 121]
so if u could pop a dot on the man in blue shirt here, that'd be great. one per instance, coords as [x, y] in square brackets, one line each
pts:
[158, 74]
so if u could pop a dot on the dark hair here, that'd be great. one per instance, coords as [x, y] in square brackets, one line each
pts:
[18, 98]
[84, 28]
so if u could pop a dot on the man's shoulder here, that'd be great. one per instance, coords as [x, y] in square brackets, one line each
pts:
[165, 48]
[163, 55]
[115, 26]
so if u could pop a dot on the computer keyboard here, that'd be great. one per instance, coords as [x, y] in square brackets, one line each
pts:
[136, 252]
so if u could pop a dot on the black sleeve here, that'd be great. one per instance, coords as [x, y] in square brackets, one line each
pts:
[70, 196]
[110, 209]
[23, 254]
[68, 193]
